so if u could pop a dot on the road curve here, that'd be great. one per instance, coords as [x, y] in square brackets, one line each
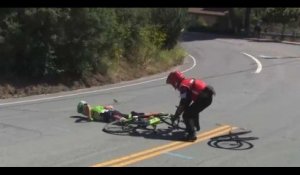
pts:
[50, 133]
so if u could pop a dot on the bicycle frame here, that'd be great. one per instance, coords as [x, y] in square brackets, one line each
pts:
[133, 123]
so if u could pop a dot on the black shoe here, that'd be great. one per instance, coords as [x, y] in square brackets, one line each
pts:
[197, 124]
[191, 137]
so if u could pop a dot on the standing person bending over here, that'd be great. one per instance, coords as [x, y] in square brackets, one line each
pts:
[195, 96]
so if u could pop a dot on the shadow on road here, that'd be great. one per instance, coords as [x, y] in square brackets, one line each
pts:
[80, 119]
[232, 141]
[259, 40]
[161, 134]
[197, 36]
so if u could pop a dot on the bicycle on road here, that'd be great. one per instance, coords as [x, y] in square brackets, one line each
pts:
[143, 122]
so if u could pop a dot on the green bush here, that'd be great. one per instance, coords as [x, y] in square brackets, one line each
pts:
[76, 42]
[171, 21]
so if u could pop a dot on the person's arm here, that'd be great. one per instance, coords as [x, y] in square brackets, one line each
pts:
[185, 100]
[150, 114]
[133, 113]
[89, 112]
[144, 114]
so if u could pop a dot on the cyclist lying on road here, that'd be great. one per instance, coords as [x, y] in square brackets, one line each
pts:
[105, 113]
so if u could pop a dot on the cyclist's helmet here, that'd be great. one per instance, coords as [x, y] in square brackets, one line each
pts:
[174, 78]
[80, 106]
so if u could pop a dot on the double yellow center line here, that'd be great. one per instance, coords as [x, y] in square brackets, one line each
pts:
[132, 158]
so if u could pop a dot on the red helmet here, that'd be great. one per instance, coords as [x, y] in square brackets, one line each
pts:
[174, 78]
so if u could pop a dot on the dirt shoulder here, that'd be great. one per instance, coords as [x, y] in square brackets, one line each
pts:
[18, 87]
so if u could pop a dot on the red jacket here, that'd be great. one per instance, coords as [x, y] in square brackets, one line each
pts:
[194, 85]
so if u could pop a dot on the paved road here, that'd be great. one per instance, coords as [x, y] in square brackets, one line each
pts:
[49, 132]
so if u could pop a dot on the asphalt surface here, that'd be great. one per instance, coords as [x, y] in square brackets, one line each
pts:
[49, 132]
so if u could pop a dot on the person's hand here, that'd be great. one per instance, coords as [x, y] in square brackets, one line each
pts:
[174, 118]
[109, 107]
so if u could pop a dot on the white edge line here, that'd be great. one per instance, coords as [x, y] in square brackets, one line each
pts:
[259, 65]
[100, 90]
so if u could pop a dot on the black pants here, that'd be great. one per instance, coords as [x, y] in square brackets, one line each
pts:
[112, 115]
[191, 114]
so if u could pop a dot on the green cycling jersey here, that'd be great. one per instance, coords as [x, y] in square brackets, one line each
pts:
[96, 111]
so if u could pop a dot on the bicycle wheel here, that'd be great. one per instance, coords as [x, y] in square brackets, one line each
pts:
[117, 126]
[167, 119]
[231, 144]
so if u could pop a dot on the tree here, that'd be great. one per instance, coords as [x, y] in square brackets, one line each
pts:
[75, 42]
[236, 16]
[247, 20]
[282, 16]
[171, 21]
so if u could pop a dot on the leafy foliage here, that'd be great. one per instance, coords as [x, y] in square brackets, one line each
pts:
[39, 42]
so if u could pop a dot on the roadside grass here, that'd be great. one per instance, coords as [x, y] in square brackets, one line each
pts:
[118, 71]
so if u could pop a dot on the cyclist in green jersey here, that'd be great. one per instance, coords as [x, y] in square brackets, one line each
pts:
[99, 112]
[105, 113]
